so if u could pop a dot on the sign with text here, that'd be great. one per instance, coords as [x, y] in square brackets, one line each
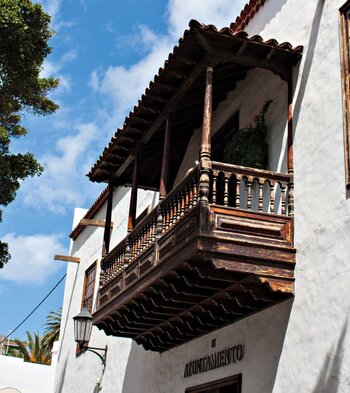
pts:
[215, 360]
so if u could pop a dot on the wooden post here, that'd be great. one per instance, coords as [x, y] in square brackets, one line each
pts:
[107, 231]
[165, 160]
[205, 151]
[133, 198]
[290, 164]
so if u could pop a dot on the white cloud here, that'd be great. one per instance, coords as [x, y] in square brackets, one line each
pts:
[62, 183]
[52, 7]
[31, 258]
[124, 85]
[220, 13]
[54, 68]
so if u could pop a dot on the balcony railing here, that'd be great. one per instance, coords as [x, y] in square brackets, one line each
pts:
[251, 189]
[231, 186]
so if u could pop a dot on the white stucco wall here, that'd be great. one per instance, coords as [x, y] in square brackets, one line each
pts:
[81, 373]
[25, 377]
[301, 345]
[316, 356]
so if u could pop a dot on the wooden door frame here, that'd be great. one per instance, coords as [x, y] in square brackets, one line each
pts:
[236, 379]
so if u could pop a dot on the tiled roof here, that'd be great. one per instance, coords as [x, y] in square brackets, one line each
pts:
[95, 207]
[248, 12]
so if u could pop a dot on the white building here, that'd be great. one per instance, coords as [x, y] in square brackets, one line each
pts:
[223, 286]
[18, 376]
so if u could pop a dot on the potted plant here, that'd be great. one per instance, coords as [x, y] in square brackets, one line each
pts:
[248, 146]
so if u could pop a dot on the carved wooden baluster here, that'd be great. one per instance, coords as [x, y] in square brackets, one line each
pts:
[165, 217]
[136, 245]
[140, 242]
[186, 197]
[226, 181]
[249, 192]
[195, 191]
[261, 195]
[144, 238]
[127, 254]
[190, 195]
[149, 230]
[159, 224]
[148, 234]
[173, 212]
[102, 279]
[291, 199]
[213, 197]
[283, 198]
[105, 275]
[178, 206]
[272, 196]
[182, 195]
[238, 191]
[168, 215]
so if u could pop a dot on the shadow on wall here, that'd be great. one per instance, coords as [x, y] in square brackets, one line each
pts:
[308, 58]
[61, 378]
[272, 9]
[140, 363]
[263, 334]
[329, 379]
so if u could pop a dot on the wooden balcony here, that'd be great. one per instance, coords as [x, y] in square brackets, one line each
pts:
[194, 265]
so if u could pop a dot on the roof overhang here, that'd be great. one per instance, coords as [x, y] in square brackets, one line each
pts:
[184, 68]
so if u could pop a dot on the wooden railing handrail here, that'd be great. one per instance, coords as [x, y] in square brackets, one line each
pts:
[193, 171]
[151, 215]
[254, 172]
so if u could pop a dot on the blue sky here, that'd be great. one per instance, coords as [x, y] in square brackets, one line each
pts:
[105, 53]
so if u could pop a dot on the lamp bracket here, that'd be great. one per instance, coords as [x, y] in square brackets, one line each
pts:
[94, 349]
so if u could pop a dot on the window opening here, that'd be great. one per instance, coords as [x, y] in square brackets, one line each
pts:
[89, 287]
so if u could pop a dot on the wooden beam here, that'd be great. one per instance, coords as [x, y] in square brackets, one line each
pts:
[207, 115]
[164, 113]
[93, 223]
[290, 127]
[165, 160]
[133, 198]
[66, 258]
[108, 222]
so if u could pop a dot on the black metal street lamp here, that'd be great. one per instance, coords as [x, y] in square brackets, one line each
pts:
[82, 333]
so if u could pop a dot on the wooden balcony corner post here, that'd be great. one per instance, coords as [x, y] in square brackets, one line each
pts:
[133, 198]
[163, 186]
[205, 150]
[107, 231]
[290, 163]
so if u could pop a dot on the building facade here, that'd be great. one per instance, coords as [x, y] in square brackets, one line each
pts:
[220, 274]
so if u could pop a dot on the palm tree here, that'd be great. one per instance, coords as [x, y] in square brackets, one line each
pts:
[34, 350]
[52, 328]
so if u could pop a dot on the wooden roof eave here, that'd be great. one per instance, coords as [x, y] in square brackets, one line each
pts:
[161, 117]
[210, 45]
[248, 53]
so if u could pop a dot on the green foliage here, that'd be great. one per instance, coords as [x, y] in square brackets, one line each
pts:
[248, 145]
[34, 350]
[52, 328]
[24, 36]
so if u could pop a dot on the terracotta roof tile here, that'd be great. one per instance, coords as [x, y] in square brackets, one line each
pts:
[247, 13]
